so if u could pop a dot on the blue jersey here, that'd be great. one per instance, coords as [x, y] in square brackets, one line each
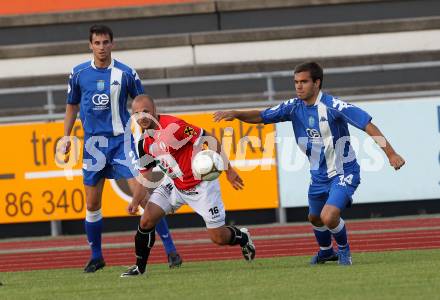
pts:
[321, 132]
[102, 94]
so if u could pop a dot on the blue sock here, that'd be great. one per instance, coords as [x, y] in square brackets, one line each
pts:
[165, 236]
[324, 239]
[93, 226]
[340, 234]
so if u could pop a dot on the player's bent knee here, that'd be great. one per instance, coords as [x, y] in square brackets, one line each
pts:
[151, 216]
[315, 220]
[146, 222]
[330, 220]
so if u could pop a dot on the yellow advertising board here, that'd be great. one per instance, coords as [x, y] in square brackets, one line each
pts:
[33, 187]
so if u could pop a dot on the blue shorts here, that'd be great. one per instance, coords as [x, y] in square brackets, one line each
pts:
[338, 191]
[104, 157]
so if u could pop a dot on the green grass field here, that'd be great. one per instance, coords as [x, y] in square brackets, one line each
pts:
[385, 275]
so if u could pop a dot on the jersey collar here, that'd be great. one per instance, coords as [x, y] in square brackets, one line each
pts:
[112, 64]
[318, 98]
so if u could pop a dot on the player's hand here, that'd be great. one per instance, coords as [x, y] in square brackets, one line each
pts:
[235, 180]
[63, 148]
[133, 208]
[396, 161]
[228, 115]
[67, 151]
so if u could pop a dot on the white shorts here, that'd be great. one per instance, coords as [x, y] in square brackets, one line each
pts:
[205, 199]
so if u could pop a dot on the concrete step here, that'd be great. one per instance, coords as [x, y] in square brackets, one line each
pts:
[227, 36]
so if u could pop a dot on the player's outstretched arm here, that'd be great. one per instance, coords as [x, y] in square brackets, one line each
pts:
[248, 116]
[396, 161]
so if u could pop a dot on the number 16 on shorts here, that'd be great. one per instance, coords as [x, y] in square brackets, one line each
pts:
[214, 211]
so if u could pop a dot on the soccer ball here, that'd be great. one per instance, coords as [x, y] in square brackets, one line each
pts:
[207, 165]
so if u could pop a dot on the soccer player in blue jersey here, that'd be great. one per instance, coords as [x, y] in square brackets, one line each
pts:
[98, 90]
[319, 122]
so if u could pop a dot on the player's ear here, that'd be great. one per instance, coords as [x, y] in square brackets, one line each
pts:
[317, 83]
[90, 46]
[154, 112]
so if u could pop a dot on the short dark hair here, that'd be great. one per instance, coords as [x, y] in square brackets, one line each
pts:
[314, 68]
[99, 30]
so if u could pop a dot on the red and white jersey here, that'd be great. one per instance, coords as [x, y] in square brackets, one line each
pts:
[170, 147]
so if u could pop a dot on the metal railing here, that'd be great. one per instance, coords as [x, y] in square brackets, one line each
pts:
[268, 76]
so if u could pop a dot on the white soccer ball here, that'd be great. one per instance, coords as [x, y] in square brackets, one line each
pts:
[207, 165]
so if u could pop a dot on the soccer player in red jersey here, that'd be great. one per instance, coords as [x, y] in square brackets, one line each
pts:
[170, 143]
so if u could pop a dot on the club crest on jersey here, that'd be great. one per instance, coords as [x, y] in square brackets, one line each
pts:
[189, 131]
[311, 121]
[100, 85]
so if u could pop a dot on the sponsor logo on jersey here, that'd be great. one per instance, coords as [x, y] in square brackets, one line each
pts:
[100, 101]
[115, 82]
[100, 85]
[314, 136]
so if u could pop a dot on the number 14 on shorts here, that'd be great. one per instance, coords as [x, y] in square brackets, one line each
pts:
[345, 179]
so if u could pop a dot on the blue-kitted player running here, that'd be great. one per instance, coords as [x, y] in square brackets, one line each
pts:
[320, 124]
[99, 90]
